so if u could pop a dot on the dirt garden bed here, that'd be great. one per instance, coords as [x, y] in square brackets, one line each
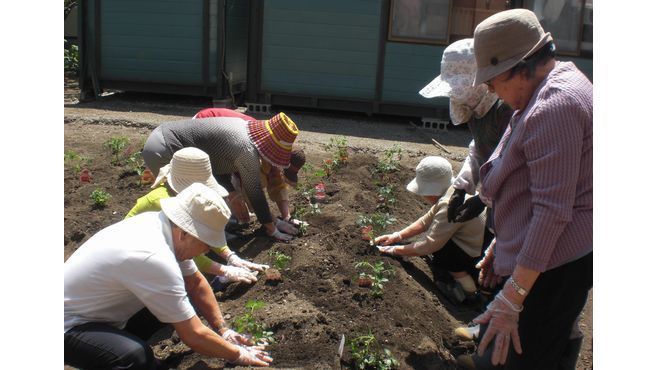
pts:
[318, 300]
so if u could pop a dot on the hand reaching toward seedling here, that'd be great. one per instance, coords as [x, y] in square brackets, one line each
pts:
[388, 239]
[237, 274]
[235, 260]
[254, 355]
[236, 338]
[388, 249]
[286, 227]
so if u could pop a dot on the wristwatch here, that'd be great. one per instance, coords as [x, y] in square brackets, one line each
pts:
[520, 290]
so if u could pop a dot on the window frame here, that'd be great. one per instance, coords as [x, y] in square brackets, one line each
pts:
[417, 40]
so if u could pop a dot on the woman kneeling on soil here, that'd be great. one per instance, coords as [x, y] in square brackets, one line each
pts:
[234, 146]
[190, 165]
[455, 246]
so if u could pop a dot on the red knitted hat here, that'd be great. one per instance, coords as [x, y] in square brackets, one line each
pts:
[274, 138]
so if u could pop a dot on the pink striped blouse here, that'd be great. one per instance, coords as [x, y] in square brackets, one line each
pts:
[540, 177]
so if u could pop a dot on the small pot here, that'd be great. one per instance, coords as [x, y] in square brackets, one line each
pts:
[147, 177]
[320, 192]
[273, 275]
[85, 175]
[364, 282]
[365, 232]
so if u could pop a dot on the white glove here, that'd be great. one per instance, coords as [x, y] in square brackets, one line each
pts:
[234, 260]
[237, 274]
[285, 227]
[254, 355]
[389, 249]
[236, 338]
[280, 236]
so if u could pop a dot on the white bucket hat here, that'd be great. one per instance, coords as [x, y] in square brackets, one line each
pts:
[457, 73]
[201, 212]
[433, 176]
[189, 165]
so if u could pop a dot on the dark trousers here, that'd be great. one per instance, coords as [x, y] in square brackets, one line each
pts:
[553, 304]
[101, 346]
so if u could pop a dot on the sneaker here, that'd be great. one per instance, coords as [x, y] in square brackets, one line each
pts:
[467, 332]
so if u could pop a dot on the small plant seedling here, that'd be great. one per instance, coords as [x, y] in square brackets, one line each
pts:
[247, 324]
[280, 259]
[303, 228]
[386, 195]
[390, 161]
[367, 353]
[116, 145]
[313, 209]
[74, 161]
[100, 197]
[339, 147]
[378, 276]
[136, 163]
[378, 223]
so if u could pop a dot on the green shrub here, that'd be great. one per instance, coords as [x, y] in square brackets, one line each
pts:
[100, 197]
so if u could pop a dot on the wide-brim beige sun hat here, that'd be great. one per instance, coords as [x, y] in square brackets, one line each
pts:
[189, 165]
[199, 211]
[504, 39]
[433, 176]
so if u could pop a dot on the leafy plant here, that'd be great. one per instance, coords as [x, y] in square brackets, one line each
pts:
[313, 209]
[367, 353]
[116, 145]
[386, 195]
[379, 221]
[247, 324]
[74, 160]
[378, 276]
[390, 161]
[71, 57]
[136, 163]
[340, 152]
[303, 228]
[280, 259]
[311, 176]
[100, 197]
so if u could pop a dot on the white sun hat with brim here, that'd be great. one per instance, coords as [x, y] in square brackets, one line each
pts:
[199, 211]
[457, 72]
[433, 176]
[189, 165]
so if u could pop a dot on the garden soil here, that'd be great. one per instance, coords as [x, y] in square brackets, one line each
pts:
[318, 301]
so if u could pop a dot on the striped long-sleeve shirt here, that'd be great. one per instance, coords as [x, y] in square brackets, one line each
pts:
[540, 177]
[227, 143]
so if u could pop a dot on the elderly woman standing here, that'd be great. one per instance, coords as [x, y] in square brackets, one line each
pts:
[540, 181]
[234, 147]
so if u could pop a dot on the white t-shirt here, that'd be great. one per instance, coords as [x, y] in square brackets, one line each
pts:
[121, 269]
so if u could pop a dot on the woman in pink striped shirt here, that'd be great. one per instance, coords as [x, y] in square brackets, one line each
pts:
[539, 182]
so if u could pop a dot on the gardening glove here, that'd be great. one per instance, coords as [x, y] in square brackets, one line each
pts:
[237, 274]
[253, 355]
[234, 260]
[390, 249]
[487, 276]
[455, 201]
[280, 236]
[469, 210]
[388, 239]
[236, 338]
[502, 318]
[294, 222]
[285, 227]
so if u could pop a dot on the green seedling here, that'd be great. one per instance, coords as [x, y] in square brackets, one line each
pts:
[313, 209]
[100, 197]
[390, 161]
[116, 145]
[247, 324]
[136, 163]
[379, 275]
[386, 195]
[367, 353]
[378, 223]
[338, 145]
[303, 228]
[280, 259]
[74, 161]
